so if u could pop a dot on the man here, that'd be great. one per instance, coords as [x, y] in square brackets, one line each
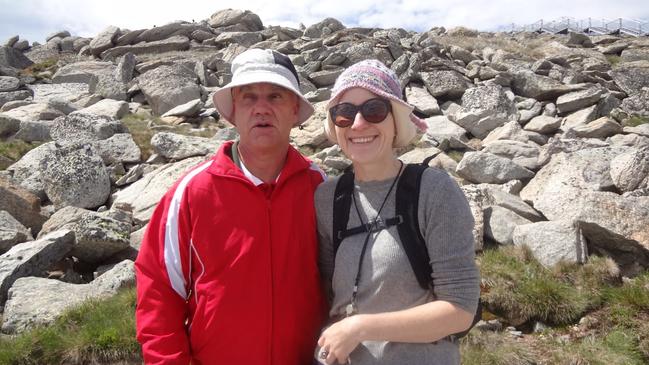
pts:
[227, 272]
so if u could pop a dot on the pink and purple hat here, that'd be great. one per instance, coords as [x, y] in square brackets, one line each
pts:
[374, 76]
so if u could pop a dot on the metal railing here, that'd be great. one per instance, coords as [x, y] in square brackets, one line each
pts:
[619, 26]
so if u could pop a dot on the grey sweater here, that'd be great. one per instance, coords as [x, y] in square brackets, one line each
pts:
[387, 282]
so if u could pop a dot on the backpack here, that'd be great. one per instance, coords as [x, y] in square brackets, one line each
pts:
[406, 220]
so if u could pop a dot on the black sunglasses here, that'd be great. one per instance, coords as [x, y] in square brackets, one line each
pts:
[373, 110]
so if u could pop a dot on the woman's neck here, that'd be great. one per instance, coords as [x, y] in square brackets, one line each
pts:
[377, 171]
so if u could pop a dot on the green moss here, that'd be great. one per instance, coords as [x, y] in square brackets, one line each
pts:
[636, 120]
[14, 149]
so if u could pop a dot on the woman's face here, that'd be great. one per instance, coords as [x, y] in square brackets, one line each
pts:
[364, 142]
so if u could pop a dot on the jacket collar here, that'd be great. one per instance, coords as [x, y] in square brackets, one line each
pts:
[224, 166]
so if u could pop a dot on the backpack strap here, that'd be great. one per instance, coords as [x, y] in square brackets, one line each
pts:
[407, 206]
[342, 204]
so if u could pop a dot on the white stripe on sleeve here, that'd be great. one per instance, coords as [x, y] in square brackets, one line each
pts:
[172, 247]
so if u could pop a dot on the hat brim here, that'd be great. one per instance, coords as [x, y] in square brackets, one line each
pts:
[223, 97]
[405, 129]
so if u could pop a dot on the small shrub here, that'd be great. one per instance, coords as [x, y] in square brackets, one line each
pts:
[636, 120]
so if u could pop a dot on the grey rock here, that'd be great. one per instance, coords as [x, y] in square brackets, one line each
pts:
[445, 83]
[599, 128]
[76, 175]
[543, 124]
[12, 232]
[67, 92]
[21, 204]
[587, 169]
[177, 28]
[10, 57]
[634, 54]
[528, 109]
[27, 169]
[11, 41]
[119, 148]
[521, 153]
[443, 131]
[81, 127]
[553, 242]
[485, 108]
[499, 224]
[513, 131]
[108, 86]
[325, 78]
[131, 176]
[83, 72]
[108, 108]
[168, 86]
[8, 125]
[125, 68]
[8, 83]
[578, 99]
[175, 43]
[631, 77]
[580, 117]
[229, 17]
[39, 301]
[36, 131]
[61, 105]
[189, 109]
[485, 167]
[528, 84]
[630, 169]
[6, 97]
[144, 194]
[642, 130]
[637, 104]
[21, 45]
[14, 104]
[58, 34]
[103, 40]
[32, 258]
[422, 100]
[323, 28]
[98, 236]
[178, 147]
[629, 140]
[311, 132]
[567, 145]
[418, 155]
[245, 39]
[496, 195]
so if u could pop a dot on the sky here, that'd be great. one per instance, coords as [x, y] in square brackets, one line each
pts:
[35, 19]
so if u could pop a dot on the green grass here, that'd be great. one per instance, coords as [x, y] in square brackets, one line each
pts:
[636, 120]
[14, 149]
[98, 331]
[520, 289]
[613, 59]
[616, 333]
[138, 126]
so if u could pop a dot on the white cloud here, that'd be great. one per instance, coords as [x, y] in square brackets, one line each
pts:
[37, 18]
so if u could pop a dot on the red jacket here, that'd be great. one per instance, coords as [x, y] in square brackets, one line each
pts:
[227, 271]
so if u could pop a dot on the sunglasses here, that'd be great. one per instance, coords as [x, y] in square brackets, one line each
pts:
[373, 110]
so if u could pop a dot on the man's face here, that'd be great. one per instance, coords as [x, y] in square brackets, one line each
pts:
[264, 115]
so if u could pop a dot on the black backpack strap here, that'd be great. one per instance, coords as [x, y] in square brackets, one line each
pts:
[407, 206]
[413, 242]
[342, 203]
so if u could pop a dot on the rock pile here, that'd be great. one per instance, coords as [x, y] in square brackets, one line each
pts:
[547, 142]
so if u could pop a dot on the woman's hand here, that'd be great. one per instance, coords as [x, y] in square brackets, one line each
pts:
[341, 338]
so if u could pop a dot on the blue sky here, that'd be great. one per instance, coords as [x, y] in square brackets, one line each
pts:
[35, 19]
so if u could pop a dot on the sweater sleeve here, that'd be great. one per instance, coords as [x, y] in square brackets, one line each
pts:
[162, 310]
[447, 223]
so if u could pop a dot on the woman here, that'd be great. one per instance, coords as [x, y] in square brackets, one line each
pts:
[379, 312]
